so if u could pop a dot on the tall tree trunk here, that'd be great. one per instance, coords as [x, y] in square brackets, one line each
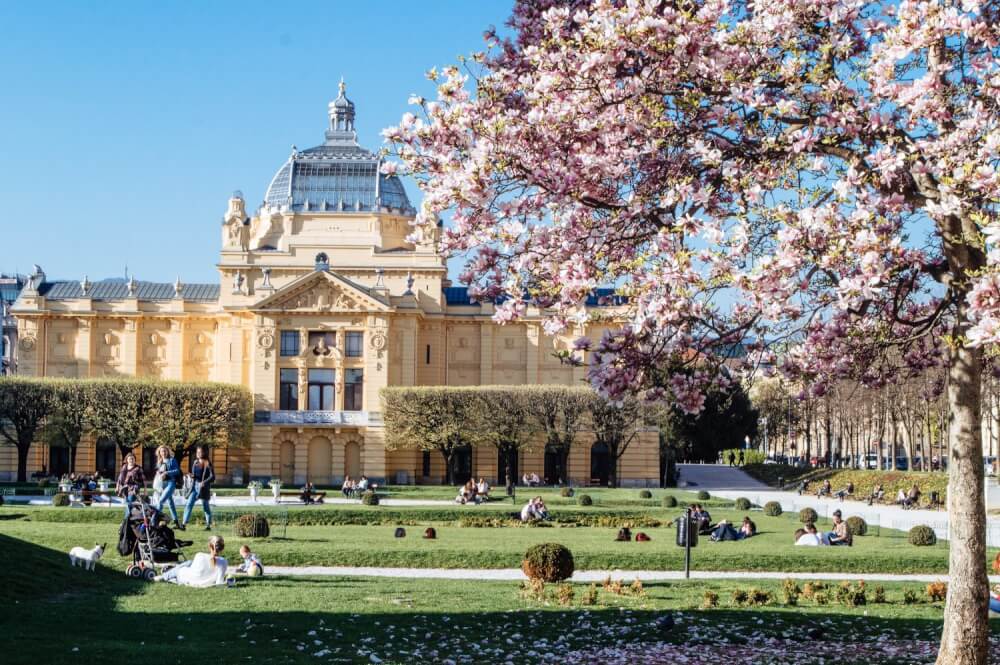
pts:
[964, 638]
[22, 461]
[448, 475]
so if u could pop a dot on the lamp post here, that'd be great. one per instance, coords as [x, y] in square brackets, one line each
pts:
[763, 422]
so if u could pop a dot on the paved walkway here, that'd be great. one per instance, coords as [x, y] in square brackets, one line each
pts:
[731, 483]
[513, 574]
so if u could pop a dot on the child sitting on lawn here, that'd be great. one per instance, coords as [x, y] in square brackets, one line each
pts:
[251, 563]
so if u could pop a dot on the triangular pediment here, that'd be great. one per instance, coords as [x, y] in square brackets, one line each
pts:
[323, 291]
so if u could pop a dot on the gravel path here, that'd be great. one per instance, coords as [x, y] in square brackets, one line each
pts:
[514, 574]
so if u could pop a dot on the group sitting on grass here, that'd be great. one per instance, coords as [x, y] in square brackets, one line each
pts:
[724, 530]
[531, 480]
[808, 536]
[534, 510]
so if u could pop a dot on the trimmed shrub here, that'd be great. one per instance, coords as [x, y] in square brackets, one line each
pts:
[808, 516]
[584, 500]
[704, 496]
[743, 503]
[669, 501]
[922, 535]
[857, 525]
[645, 494]
[791, 591]
[548, 562]
[369, 498]
[772, 509]
[566, 492]
[251, 525]
[60, 500]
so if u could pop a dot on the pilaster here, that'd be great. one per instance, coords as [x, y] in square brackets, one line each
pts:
[130, 347]
[175, 350]
[84, 347]
[486, 354]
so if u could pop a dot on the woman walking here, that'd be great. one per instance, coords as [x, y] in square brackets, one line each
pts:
[130, 481]
[168, 474]
[204, 476]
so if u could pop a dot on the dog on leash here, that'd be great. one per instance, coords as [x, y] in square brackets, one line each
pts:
[86, 558]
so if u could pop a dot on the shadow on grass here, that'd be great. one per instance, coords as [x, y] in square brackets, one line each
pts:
[12, 516]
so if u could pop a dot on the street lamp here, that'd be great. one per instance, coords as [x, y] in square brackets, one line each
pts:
[763, 422]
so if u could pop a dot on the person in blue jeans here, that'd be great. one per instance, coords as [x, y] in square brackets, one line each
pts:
[131, 482]
[168, 475]
[204, 476]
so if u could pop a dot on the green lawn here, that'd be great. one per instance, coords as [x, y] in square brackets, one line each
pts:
[60, 615]
[471, 547]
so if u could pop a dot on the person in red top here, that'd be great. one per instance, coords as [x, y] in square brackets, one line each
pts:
[131, 480]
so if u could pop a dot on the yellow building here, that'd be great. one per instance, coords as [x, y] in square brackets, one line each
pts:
[321, 302]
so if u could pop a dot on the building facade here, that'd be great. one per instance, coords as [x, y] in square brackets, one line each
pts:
[10, 287]
[321, 302]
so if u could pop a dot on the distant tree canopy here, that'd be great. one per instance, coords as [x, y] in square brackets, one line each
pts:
[727, 417]
[507, 418]
[127, 412]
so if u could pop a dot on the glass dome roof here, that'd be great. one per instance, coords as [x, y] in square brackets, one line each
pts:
[337, 176]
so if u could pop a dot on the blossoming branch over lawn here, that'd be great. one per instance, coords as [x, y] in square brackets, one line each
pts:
[819, 173]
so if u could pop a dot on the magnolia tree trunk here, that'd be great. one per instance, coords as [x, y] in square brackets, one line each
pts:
[22, 462]
[964, 638]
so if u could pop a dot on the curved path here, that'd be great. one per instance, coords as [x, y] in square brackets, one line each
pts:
[732, 483]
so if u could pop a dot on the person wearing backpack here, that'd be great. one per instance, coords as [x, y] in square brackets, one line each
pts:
[203, 475]
[168, 475]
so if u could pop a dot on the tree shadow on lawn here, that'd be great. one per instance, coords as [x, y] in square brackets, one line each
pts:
[12, 516]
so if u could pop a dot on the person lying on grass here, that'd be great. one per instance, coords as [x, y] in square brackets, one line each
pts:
[204, 570]
[725, 531]
[810, 538]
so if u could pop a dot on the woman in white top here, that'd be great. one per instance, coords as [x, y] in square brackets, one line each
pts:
[204, 570]
[810, 538]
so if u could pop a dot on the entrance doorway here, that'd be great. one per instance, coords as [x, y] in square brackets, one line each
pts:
[507, 459]
[600, 464]
[58, 460]
[461, 465]
[287, 461]
[352, 459]
[320, 461]
[106, 462]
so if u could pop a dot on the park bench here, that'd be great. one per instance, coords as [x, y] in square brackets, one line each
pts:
[7, 491]
[317, 496]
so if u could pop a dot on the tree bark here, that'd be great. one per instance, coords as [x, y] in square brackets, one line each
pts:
[964, 638]
[22, 461]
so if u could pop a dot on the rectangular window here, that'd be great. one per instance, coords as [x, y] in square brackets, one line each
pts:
[425, 470]
[289, 342]
[328, 337]
[321, 389]
[353, 393]
[353, 344]
[427, 355]
[288, 390]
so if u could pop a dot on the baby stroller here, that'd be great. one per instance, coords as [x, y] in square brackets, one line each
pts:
[145, 535]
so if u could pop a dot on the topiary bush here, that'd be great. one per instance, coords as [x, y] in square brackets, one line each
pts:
[548, 562]
[645, 494]
[60, 500]
[922, 535]
[251, 525]
[743, 503]
[857, 525]
[772, 509]
[808, 516]
[369, 498]
[566, 492]
[704, 496]
[669, 501]
[585, 500]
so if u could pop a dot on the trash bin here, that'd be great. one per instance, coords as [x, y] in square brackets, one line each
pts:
[687, 529]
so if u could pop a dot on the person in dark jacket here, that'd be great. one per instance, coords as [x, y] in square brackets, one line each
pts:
[168, 475]
[131, 481]
[204, 475]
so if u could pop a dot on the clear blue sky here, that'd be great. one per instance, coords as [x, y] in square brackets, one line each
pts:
[125, 126]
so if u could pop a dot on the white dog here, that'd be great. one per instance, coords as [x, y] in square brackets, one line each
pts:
[86, 558]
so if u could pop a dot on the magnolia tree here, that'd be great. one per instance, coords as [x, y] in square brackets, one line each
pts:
[815, 172]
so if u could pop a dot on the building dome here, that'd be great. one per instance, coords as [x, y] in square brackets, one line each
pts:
[337, 176]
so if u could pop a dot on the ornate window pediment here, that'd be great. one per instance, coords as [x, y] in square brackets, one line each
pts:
[323, 292]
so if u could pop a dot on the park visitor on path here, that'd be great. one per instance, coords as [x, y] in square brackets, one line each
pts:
[168, 474]
[131, 481]
[204, 476]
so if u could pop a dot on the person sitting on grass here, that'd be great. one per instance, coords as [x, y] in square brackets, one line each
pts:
[845, 491]
[803, 487]
[995, 599]
[825, 489]
[702, 518]
[251, 563]
[878, 493]
[541, 509]
[347, 489]
[841, 534]
[525, 479]
[203, 570]
[483, 489]
[913, 496]
[466, 493]
[810, 538]
[535, 480]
